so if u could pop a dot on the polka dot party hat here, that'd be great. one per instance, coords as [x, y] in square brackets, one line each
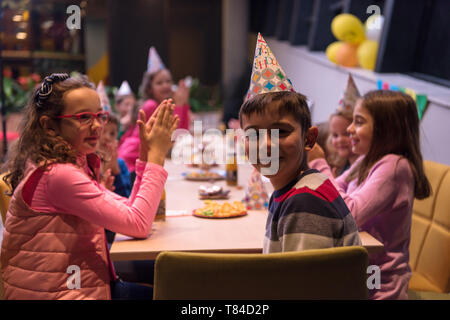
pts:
[267, 74]
[256, 197]
[101, 91]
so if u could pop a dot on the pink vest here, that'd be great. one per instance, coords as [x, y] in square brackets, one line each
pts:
[42, 252]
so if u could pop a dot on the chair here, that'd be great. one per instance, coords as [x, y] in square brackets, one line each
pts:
[4, 198]
[334, 273]
[430, 235]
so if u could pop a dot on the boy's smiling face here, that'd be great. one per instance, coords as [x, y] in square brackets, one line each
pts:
[291, 145]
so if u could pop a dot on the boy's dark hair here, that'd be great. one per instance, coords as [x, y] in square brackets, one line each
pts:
[286, 103]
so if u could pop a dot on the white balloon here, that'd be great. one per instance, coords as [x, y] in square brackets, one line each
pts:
[374, 26]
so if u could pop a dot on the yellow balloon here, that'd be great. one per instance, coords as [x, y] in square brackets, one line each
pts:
[332, 49]
[346, 27]
[367, 54]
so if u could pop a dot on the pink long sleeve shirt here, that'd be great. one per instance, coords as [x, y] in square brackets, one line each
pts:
[382, 206]
[65, 188]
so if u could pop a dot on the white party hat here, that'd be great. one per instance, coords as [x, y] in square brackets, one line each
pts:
[124, 89]
[154, 62]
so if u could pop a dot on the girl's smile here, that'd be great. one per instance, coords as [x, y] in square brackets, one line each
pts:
[361, 129]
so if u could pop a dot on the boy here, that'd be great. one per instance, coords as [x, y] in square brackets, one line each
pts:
[305, 210]
[108, 152]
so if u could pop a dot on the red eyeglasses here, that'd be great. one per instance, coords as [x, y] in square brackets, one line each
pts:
[87, 118]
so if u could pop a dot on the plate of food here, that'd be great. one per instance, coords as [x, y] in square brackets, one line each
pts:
[204, 175]
[212, 192]
[216, 210]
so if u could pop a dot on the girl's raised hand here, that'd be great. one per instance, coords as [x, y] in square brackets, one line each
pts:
[156, 133]
[181, 95]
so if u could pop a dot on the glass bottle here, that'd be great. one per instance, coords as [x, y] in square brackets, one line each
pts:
[161, 212]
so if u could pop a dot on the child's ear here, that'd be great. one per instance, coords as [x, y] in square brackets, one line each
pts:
[48, 125]
[311, 137]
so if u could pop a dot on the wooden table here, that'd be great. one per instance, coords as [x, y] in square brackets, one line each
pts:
[183, 232]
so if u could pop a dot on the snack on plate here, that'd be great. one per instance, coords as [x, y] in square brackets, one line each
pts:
[213, 192]
[213, 209]
[203, 175]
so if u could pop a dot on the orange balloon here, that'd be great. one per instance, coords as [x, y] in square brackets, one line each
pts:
[346, 55]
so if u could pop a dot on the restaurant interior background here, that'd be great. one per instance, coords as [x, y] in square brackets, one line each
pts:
[213, 41]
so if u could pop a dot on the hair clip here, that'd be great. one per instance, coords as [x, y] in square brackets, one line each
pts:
[46, 87]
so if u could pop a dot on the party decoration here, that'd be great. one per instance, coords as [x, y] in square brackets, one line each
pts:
[358, 45]
[346, 55]
[374, 26]
[367, 54]
[421, 100]
[351, 94]
[256, 197]
[103, 97]
[346, 27]
[124, 89]
[332, 49]
[267, 74]
[154, 62]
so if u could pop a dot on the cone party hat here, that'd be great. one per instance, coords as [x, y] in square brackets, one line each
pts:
[267, 74]
[351, 94]
[154, 62]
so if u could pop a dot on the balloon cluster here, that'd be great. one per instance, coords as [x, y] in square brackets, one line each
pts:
[358, 43]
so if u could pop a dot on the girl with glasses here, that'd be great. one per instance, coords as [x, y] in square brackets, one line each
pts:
[54, 244]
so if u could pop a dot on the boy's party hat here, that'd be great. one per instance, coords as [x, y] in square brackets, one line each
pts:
[124, 89]
[154, 62]
[351, 94]
[256, 197]
[267, 74]
[103, 97]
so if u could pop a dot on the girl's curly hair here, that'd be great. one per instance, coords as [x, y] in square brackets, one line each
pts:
[35, 143]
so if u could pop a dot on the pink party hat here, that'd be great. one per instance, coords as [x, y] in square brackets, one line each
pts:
[256, 197]
[154, 62]
[103, 97]
[267, 74]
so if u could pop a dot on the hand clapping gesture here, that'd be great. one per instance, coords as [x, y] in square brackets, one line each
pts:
[156, 133]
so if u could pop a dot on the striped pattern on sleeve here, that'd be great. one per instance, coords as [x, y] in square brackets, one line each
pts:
[309, 213]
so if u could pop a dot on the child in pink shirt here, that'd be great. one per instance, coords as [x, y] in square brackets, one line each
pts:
[379, 188]
[54, 229]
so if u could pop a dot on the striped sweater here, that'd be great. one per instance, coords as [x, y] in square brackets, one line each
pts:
[308, 213]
